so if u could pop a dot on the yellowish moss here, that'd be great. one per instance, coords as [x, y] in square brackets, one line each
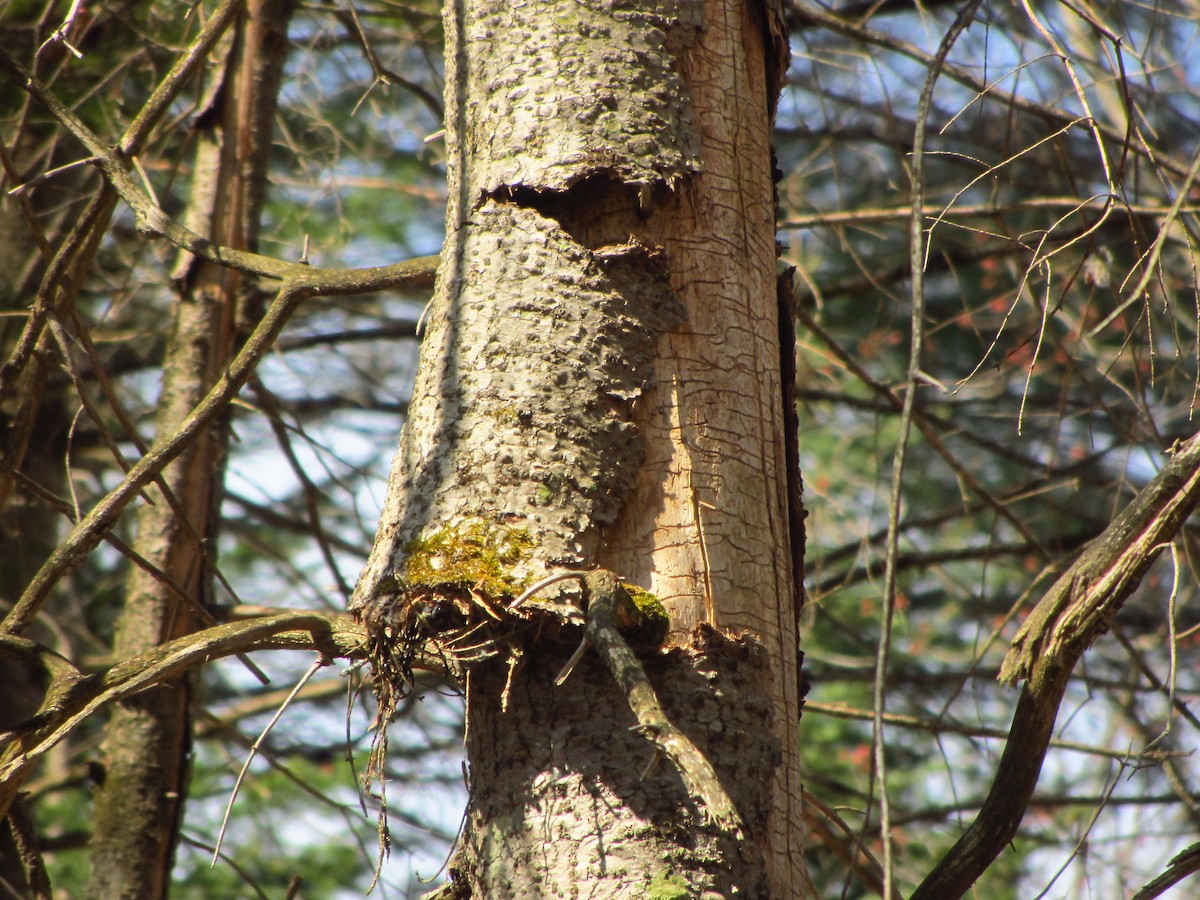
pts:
[505, 415]
[653, 620]
[668, 886]
[474, 553]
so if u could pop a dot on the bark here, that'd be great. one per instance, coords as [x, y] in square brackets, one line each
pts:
[600, 386]
[568, 798]
[148, 738]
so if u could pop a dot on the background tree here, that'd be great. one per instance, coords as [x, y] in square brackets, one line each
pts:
[1057, 369]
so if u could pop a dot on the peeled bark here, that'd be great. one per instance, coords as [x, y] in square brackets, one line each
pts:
[600, 386]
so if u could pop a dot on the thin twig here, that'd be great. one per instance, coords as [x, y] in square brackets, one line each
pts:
[926, 428]
[538, 587]
[1078, 607]
[237, 784]
[1082, 841]
[941, 726]
[274, 413]
[1172, 642]
[246, 876]
[880, 215]
[917, 264]
[1150, 259]
[151, 219]
[71, 701]
[813, 14]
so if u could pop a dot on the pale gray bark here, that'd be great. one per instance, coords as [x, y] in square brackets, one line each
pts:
[538, 439]
[567, 800]
[538, 346]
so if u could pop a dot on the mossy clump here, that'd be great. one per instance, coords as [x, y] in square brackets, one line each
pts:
[668, 886]
[475, 553]
[652, 621]
[552, 484]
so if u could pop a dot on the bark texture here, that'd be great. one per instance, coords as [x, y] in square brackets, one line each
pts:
[567, 799]
[600, 385]
[539, 344]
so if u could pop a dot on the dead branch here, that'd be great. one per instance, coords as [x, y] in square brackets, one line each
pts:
[603, 594]
[72, 699]
[1183, 864]
[1076, 610]
[152, 221]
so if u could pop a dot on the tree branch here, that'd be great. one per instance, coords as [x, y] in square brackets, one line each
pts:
[1181, 866]
[151, 219]
[603, 592]
[1073, 613]
[807, 14]
[72, 699]
[84, 537]
[28, 847]
[1079, 606]
[944, 726]
[177, 78]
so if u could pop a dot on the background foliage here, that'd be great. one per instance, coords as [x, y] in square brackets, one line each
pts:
[1059, 362]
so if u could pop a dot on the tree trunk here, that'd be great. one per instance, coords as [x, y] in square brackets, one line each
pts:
[147, 741]
[600, 386]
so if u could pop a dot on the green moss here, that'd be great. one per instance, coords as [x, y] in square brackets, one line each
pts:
[653, 620]
[551, 486]
[667, 886]
[474, 553]
[389, 584]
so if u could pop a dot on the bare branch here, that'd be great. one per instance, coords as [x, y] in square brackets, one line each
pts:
[91, 529]
[1074, 612]
[73, 699]
[603, 591]
[1183, 864]
[151, 220]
